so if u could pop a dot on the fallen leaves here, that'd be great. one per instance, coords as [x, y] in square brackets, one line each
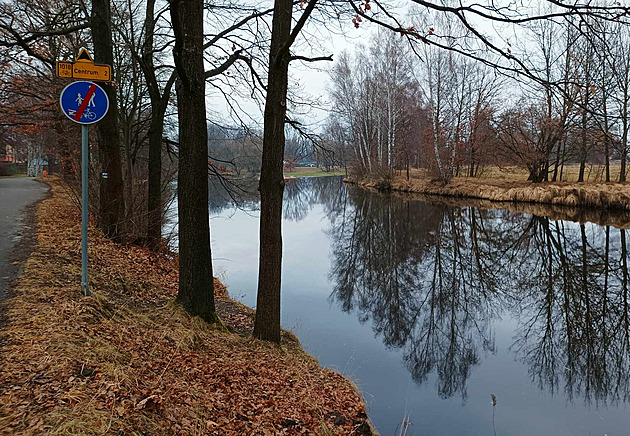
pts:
[130, 360]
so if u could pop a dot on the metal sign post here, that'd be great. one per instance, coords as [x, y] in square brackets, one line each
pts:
[84, 210]
[84, 103]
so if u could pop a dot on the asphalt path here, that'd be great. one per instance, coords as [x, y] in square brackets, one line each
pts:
[16, 222]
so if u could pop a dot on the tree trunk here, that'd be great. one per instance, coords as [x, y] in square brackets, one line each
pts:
[271, 187]
[159, 103]
[606, 142]
[564, 149]
[154, 199]
[622, 173]
[154, 195]
[607, 151]
[557, 162]
[196, 287]
[112, 202]
[582, 168]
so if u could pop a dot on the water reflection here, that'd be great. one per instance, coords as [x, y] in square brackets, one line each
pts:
[572, 302]
[300, 195]
[431, 279]
[434, 278]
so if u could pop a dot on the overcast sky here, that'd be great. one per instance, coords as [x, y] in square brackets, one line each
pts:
[312, 79]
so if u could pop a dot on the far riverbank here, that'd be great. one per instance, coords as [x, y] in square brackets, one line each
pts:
[614, 196]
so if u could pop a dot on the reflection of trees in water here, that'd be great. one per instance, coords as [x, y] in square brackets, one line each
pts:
[420, 272]
[300, 195]
[573, 305]
[432, 278]
[231, 194]
[299, 198]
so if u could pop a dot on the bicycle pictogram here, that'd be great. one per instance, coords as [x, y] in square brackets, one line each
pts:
[88, 114]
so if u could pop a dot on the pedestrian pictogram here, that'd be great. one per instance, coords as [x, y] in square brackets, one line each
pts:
[84, 102]
[84, 68]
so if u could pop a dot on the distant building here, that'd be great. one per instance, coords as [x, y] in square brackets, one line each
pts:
[7, 154]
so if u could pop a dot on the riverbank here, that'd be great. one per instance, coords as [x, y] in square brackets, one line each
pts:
[129, 360]
[614, 196]
[312, 172]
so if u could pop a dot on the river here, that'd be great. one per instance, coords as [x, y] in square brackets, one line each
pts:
[431, 308]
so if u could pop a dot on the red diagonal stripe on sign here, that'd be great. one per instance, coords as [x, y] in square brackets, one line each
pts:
[86, 100]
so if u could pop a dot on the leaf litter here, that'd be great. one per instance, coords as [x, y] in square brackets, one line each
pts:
[129, 360]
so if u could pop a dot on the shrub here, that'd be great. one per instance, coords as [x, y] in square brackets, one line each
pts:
[7, 169]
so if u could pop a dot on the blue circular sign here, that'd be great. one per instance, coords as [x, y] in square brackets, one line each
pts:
[84, 102]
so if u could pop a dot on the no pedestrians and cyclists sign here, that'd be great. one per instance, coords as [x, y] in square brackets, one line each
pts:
[84, 102]
[84, 68]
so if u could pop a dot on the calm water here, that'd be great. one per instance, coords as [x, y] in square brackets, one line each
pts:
[430, 309]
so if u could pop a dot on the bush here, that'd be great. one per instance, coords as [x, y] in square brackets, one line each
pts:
[383, 178]
[384, 185]
[7, 169]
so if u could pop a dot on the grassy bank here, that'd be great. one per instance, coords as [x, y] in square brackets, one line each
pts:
[313, 172]
[130, 361]
[508, 188]
[619, 219]
[570, 173]
[15, 176]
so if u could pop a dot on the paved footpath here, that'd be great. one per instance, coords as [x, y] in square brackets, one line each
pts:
[15, 195]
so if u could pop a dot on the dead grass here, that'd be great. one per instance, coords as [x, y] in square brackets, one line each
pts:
[511, 187]
[130, 361]
[593, 173]
[312, 172]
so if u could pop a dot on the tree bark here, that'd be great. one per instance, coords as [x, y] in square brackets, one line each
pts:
[112, 202]
[606, 141]
[556, 163]
[156, 129]
[582, 168]
[271, 187]
[196, 287]
[154, 198]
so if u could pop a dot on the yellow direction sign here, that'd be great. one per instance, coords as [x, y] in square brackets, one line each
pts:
[91, 71]
[84, 68]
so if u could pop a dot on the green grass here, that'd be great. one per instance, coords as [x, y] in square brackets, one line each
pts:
[313, 172]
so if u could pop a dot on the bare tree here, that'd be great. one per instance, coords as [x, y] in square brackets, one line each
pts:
[371, 92]
[196, 286]
[267, 323]
[112, 200]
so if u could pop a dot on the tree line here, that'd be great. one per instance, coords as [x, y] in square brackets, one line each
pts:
[171, 58]
[402, 105]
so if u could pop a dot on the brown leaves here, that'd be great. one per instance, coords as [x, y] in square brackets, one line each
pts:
[151, 402]
[130, 360]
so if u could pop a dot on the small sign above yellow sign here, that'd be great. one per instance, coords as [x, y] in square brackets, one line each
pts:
[84, 68]
[84, 56]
